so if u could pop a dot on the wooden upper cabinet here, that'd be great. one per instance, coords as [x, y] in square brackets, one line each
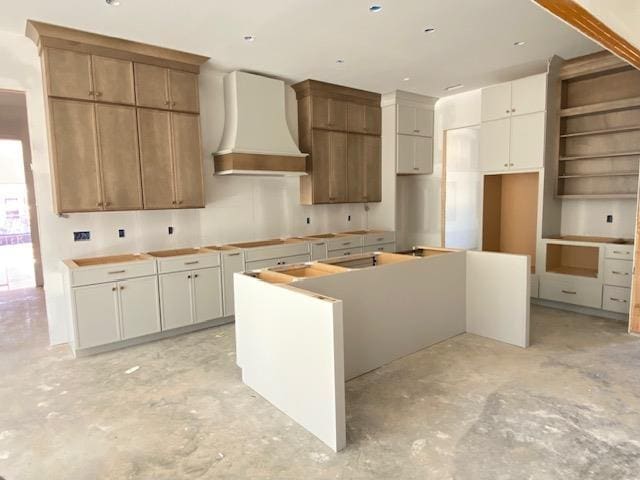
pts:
[183, 91]
[119, 160]
[158, 187]
[329, 172]
[113, 80]
[152, 86]
[364, 168]
[187, 160]
[329, 113]
[75, 156]
[68, 74]
[364, 119]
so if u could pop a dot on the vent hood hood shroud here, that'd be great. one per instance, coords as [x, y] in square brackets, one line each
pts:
[256, 139]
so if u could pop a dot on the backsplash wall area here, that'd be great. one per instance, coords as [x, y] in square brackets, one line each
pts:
[589, 217]
[237, 208]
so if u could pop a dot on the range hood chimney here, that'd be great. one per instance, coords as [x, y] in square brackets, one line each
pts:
[256, 139]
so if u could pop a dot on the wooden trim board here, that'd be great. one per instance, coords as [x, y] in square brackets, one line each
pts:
[584, 21]
[257, 162]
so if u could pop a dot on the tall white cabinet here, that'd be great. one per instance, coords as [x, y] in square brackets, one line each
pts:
[512, 132]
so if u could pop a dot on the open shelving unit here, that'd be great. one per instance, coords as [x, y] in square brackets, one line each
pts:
[572, 260]
[599, 136]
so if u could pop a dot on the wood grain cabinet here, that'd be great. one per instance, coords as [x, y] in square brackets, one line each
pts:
[99, 91]
[340, 128]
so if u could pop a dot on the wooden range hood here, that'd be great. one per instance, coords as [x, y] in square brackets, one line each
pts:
[256, 139]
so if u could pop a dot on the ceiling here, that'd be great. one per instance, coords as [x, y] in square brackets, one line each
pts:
[298, 39]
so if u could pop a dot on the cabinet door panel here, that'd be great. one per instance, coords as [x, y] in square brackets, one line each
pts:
[496, 102]
[405, 155]
[75, 151]
[321, 166]
[529, 94]
[423, 157]
[175, 300]
[329, 113]
[406, 119]
[494, 145]
[183, 88]
[207, 294]
[424, 122]
[119, 161]
[373, 120]
[373, 169]
[231, 263]
[113, 80]
[96, 313]
[139, 307]
[152, 89]
[338, 172]
[154, 129]
[187, 160]
[356, 118]
[68, 74]
[527, 141]
[357, 167]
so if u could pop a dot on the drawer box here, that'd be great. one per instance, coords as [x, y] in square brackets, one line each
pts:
[378, 238]
[112, 272]
[276, 251]
[342, 243]
[616, 299]
[386, 247]
[618, 272]
[344, 252]
[620, 252]
[184, 263]
[577, 291]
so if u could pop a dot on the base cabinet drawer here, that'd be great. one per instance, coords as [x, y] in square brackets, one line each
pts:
[378, 238]
[386, 247]
[577, 291]
[295, 259]
[617, 272]
[620, 252]
[274, 262]
[616, 299]
[345, 252]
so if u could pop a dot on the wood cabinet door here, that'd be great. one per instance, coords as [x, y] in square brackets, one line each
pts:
[329, 113]
[363, 119]
[187, 160]
[183, 91]
[207, 294]
[96, 314]
[113, 80]
[496, 102]
[75, 156]
[494, 145]
[152, 86]
[372, 120]
[526, 148]
[373, 169]
[338, 167]
[321, 166]
[139, 307]
[176, 299]
[68, 74]
[364, 178]
[158, 187]
[119, 160]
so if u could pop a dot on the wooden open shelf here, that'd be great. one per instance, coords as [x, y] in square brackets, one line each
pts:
[611, 106]
[572, 260]
[600, 155]
[611, 174]
[604, 131]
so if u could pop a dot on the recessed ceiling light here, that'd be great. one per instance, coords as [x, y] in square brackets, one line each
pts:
[429, 30]
[519, 44]
[113, 3]
[248, 38]
[375, 8]
[454, 87]
[406, 79]
[339, 60]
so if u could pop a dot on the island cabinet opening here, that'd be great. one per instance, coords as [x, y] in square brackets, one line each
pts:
[368, 260]
[573, 260]
[510, 212]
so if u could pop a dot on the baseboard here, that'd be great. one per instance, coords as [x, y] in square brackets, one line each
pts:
[85, 352]
[595, 312]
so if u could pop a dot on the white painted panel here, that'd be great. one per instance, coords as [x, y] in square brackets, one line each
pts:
[527, 141]
[291, 346]
[498, 296]
[207, 294]
[139, 307]
[424, 122]
[423, 154]
[529, 94]
[232, 262]
[406, 154]
[406, 119]
[494, 145]
[393, 310]
[175, 299]
[496, 102]
[96, 312]
[616, 299]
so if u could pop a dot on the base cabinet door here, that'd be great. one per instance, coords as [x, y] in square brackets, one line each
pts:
[232, 262]
[318, 251]
[139, 307]
[207, 294]
[175, 300]
[96, 312]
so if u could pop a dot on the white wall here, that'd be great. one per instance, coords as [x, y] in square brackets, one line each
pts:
[589, 217]
[239, 208]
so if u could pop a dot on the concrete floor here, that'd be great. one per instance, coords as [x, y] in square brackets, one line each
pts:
[468, 408]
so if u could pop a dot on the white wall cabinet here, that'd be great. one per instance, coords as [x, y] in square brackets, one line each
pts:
[496, 102]
[520, 97]
[414, 155]
[494, 145]
[414, 120]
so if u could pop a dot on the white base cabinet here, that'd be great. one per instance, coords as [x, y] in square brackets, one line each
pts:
[232, 262]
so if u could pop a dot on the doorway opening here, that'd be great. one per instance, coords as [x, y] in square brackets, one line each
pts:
[19, 246]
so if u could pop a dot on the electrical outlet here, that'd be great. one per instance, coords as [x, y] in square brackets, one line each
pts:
[121, 233]
[81, 236]
[348, 218]
[308, 220]
[609, 218]
[170, 229]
